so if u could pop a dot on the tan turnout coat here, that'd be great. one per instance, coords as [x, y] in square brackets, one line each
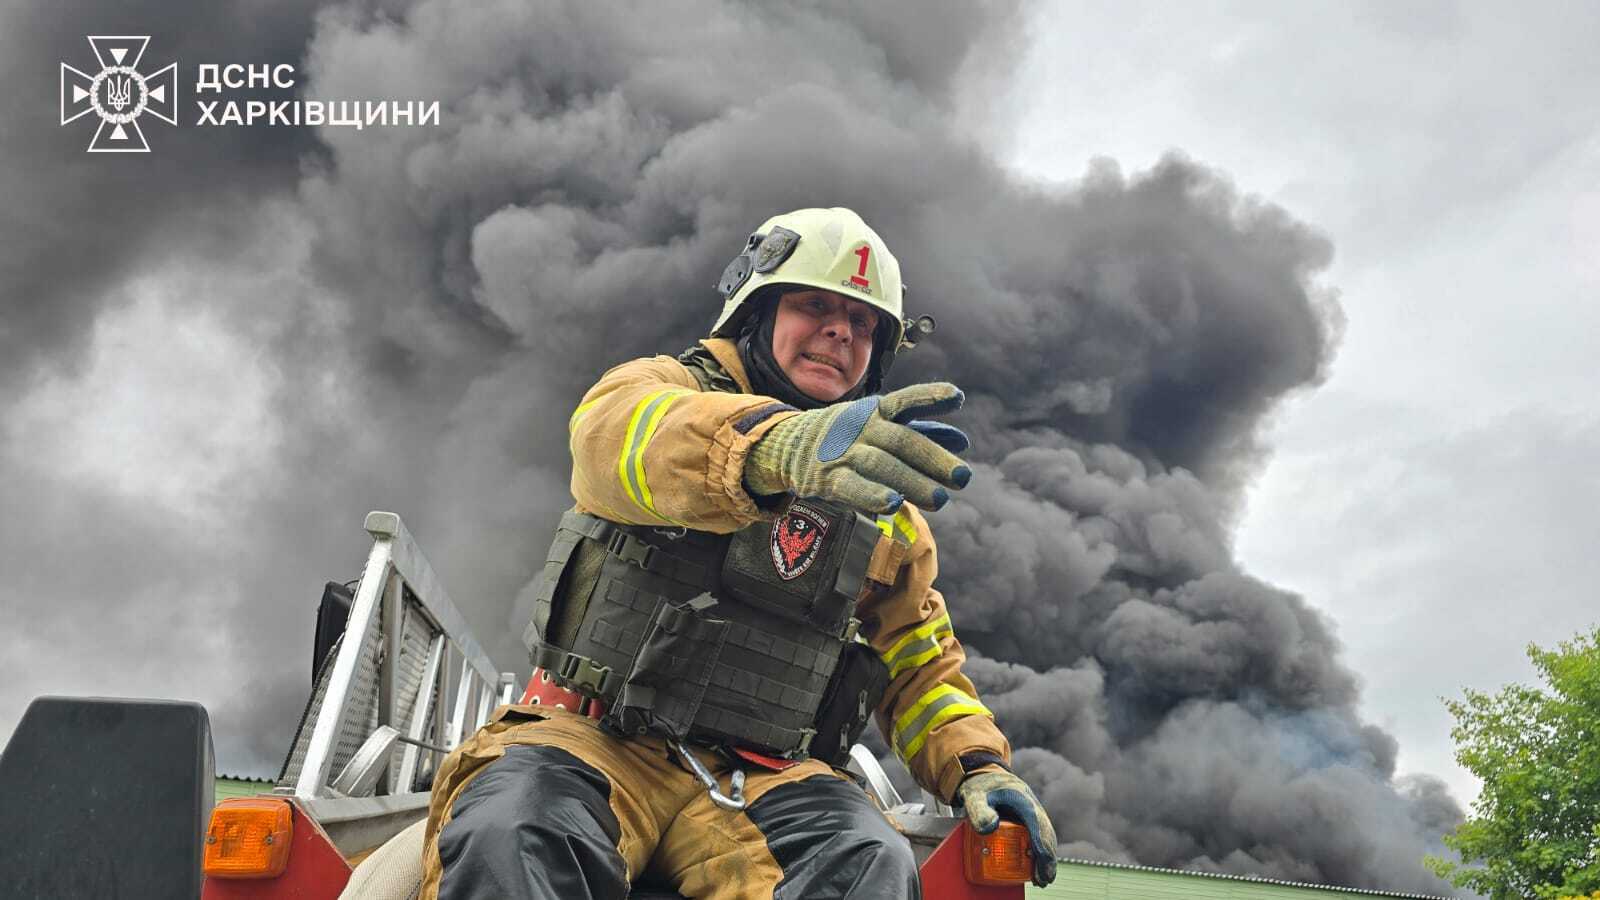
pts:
[649, 447]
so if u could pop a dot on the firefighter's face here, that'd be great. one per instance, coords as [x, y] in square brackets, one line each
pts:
[823, 341]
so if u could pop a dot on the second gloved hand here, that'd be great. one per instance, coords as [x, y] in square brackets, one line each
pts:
[871, 454]
[988, 794]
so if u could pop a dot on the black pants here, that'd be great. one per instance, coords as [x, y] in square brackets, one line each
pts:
[541, 823]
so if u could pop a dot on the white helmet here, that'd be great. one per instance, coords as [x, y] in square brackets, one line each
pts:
[831, 249]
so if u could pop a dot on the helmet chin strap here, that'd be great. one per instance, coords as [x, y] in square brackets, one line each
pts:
[767, 377]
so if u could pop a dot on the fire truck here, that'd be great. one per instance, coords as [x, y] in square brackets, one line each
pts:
[114, 798]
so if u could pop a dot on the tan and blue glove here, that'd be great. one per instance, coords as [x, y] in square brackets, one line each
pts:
[991, 794]
[871, 454]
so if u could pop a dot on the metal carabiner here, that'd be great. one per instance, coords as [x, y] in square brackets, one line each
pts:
[735, 803]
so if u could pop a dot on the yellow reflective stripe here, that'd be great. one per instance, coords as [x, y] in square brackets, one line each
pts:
[644, 443]
[901, 520]
[641, 428]
[625, 469]
[912, 662]
[954, 710]
[907, 717]
[937, 706]
[578, 414]
[917, 647]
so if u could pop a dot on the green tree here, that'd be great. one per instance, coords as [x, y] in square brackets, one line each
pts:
[1535, 828]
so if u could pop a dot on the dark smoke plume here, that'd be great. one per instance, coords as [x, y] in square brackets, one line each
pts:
[404, 318]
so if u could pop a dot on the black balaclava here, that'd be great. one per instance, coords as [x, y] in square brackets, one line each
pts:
[767, 377]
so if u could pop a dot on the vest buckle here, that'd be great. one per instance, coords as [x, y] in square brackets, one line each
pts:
[583, 675]
[628, 548]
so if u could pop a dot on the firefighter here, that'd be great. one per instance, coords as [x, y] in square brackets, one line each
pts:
[746, 577]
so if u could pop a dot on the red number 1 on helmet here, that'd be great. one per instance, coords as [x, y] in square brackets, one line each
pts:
[860, 278]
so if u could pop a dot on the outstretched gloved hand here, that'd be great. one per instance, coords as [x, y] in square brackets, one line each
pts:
[987, 795]
[871, 454]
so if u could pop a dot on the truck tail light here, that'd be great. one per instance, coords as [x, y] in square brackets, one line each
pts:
[249, 837]
[1003, 856]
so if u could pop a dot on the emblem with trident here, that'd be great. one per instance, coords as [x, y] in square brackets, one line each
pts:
[118, 89]
[119, 94]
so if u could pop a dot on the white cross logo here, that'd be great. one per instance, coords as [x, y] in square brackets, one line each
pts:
[119, 94]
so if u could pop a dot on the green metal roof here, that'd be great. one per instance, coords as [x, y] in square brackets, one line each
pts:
[1079, 879]
[236, 786]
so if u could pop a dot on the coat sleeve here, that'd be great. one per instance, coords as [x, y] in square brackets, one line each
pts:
[650, 448]
[930, 714]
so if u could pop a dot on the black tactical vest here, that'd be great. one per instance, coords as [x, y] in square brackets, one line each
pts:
[747, 639]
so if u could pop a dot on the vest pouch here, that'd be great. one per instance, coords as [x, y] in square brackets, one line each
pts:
[808, 567]
[667, 682]
[853, 693]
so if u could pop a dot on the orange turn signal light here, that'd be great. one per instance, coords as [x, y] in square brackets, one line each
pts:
[1003, 856]
[248, 838]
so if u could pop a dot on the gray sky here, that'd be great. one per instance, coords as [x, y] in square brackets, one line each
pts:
[1437, 496]
[1316, 379]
